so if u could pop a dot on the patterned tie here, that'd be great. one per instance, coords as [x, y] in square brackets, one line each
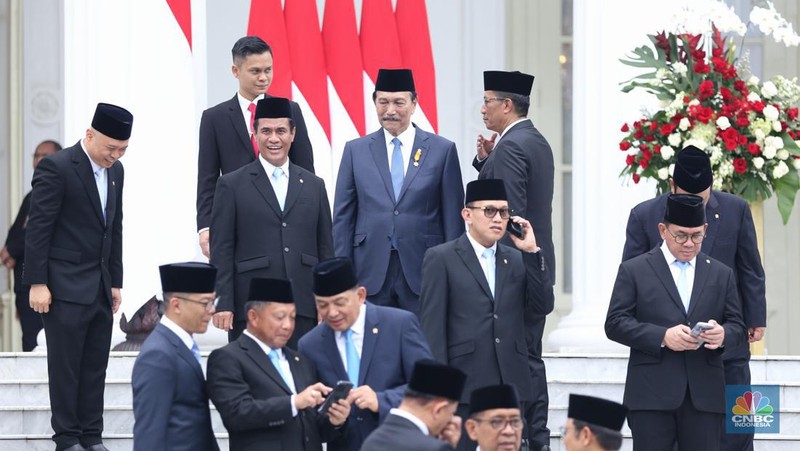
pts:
[102, 188]
[397, 169]
[488, 267]
[353, 360]
[683, 284]
[196, 351]
[279, 186]
[273, 357]
[252, 109]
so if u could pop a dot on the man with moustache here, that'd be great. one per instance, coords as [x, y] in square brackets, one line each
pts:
[495, 419]
[271, 218]
[227, 136]
[593, 424]
[170, 402]
[398, 193]
[14, 251]
[73, 264]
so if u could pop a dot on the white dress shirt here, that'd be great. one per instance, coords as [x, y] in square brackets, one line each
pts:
[185, 337]
[508, 127]
[244, 104]
[406, 145]
[478, 248]
[357, 337]
[100, 179]
[412, 418]
[285, 368]
[284, 180]
[676, 271]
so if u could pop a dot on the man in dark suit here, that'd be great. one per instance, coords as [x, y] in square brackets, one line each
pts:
[170, 402]
[271, 218]
[476, 293]
[424, 420]
[593, 424]
[14, 251]
[373, 347]
[522, 158]
[266, 394]
[73, 263]
[495, 419]
[675, 386]
[731, 239]
[227, 136]
[398, 193]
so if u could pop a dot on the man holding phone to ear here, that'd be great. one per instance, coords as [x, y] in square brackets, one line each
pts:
[675, 387]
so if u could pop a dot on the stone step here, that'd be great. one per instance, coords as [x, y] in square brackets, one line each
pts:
[117, 442]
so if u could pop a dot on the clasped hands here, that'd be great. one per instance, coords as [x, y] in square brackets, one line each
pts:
[679, 337]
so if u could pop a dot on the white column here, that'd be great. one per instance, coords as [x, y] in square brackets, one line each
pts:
[603, 33]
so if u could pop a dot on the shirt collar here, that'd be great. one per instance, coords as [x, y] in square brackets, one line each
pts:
[406, 138]
[244, 103]
[269, 168]
[478, 247]
[505, 130]
[412, 418]
[95, 167]
[185, 337]
[358, 326]
[671, 258]
[263, 345]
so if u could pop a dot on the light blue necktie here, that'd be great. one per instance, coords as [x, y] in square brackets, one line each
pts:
[397, 169]
[353, 360]
[488, 268]
[683, 284]
[196, 351]
[273, 357]
[102, 188]
[279, 186]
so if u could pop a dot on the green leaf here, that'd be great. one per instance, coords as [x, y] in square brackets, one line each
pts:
[786, 189]
[790, 145]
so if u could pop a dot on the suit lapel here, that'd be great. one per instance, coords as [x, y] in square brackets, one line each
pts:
[467, 253]
[420, 146]
[256, 354]
[702, 264]
[377, 147]
[111, 196]
[180, 347]
[239, 125]
[84, 170]
[500, 274]
[296, 184]
[332, 352]
[661, 269]
[264, 187]
[371, 329]
[712, 218]
[297, 373]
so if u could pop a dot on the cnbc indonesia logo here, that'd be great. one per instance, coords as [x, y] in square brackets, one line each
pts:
[752, 410]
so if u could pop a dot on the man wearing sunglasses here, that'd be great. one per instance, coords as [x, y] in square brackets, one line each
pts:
[476, 291]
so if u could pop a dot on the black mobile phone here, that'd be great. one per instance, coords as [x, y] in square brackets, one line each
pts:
[341, 391]
[515, 229]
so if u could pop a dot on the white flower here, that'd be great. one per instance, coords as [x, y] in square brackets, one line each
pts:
[759, 134]
[717, 184]
[716, 156]
[672, 166]
[771, 113]
[679, 68]
[667, 152]
[674, 139]
[769, 21]
[780, 170]
[699, 143]
[774, 141]
[725, 169]
[782, 154]
[768, 89]
[722, 122]
[753, 80]
[758, 162]
[662, 73]
[769, 152]
[663, 173]
[694, 102]
[684, 124]
[796, 163]
[777, 126]
[753, 97]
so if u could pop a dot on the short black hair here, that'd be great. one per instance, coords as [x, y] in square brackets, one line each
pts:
[56, 145]
[413, 96]
[521, 103]
[419, 397]
[606, 438]
[248, 45]
[254, 305]
[255, 124]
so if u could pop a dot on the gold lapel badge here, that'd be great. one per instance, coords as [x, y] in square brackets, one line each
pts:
[417, 156]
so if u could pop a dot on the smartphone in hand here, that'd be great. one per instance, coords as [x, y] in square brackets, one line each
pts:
[699, 328]
[515, 229]
[341, 391]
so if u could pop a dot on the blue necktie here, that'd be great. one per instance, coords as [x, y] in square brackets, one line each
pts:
[279, 186]
[488, 267]
[397, 169]
[683, 284]
[196, 352]
[273, 357]
[353, 360]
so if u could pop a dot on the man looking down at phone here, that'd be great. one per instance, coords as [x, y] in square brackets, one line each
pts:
[266, 393]
[476, 292]
[675, 388]
[373, 347]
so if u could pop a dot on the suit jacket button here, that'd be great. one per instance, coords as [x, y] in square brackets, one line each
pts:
[497, 340]
[396, 212]
[285, 249]
[495, 316]
[283, 224]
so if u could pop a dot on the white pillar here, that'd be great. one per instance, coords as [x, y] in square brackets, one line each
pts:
[603, 33]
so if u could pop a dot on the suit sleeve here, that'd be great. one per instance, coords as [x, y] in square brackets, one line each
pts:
[324, 225]
[208, 168]
[622, 325]
[538, 290]
[733, 323]
[239, 409]
[15, 241]
[154, 380]
[412, 349]
[345, 206]
[434, 300]
[750, 274]
[223, 242]
[301, 153]
[115, 263]
[452, 193]
[47, 197]
[511, 166]
[478, 164]
[636, 242]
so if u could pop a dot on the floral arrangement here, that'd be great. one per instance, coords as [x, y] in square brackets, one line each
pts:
[751, 129]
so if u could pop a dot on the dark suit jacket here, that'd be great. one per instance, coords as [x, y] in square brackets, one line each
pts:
[15, 242]
[524, 161]
[399, 434]
[254, 401]
[170, 403]
[730, 238]
[467, 328]
[427, 213]
[393, 343]
[644, 304]
[253, 238]
[68, 244]
[225, 146]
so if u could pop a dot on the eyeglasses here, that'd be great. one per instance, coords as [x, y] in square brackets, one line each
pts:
[209, 305]
[681, 238]
[498, 423]
[487, 100]
[491, 211]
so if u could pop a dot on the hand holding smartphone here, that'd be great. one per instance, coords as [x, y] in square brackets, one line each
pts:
[699, 328]
[515, 229]
[341, 391]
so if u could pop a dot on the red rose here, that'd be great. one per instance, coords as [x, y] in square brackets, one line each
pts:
[653, 126]
[701, 113]
[643, 163]
[757, 106]
[638, 134]
[630, 159]
[740, 165]
[791, 113]
[705, 90]
[625, 128]
[657, 148]
[742, 120]
[636, 178]
[754, 149]
[624, 145]
[667, 128]
[700, 67]
[726, 94]
[739, 85]
[649, 137]
[643, 147]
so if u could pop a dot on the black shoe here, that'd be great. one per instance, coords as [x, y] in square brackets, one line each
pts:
[97, 447]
